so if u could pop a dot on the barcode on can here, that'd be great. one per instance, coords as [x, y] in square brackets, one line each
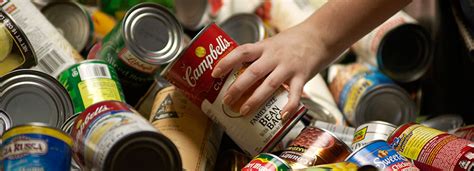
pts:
[93, 71]
[51, 62]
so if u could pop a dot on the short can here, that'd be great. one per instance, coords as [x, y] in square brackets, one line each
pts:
[191, 73]
[266, 162]
[431, 149]
[344, 133]
[381, 155]
[91, 81]
[314, 146]
[466, 132]
[122, 140]
[371, 131]
[36, 146]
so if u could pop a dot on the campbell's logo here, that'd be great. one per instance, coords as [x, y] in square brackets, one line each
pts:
[214, 52]
[82, 123]
[24, 146]
[384, 159]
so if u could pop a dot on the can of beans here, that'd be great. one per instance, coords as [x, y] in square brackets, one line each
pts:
[400, 47]
[431, 149]
[266, 161]
[364, 94]
[344, 133]
[245, 28]
[315, 146]
[89, 82]
[36, 146]
[194, 134]
[340, 166]
[137, 52]
[5, 122]
[122, 140]
[381, 155]
[371, 131]
[191, 73]
[466, 132]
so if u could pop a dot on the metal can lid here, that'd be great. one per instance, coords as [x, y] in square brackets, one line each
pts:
[383, 123]
[191, 13]
[67, 126]
[321, 113]
[244, 28]
[73, 21]
[33, 96]
[385, 102]
[152, 33]
[5, 122]
[445, 122]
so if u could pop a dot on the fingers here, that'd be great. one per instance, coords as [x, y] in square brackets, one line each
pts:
[296, 88]
[241, 54]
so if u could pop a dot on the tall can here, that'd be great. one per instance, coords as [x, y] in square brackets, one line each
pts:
[149, 36]
[110, 135]
[53, 51]
[191, 73]
[400, 47]
[89, 82]
[371, 131]
[196, 136]
[431, 149]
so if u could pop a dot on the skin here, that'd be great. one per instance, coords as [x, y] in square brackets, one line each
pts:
[294, 56]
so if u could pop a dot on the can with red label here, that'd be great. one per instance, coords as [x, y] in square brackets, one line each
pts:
[371, 131]
[191, 73]
[266, 162]
[431, 149]
[466, 132]
[110, 135]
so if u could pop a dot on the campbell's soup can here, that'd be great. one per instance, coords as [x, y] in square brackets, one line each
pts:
[266, 161]
[191, 72]
[371, 131]
[431, 149]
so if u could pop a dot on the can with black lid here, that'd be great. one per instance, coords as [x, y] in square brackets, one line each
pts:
[33, 96]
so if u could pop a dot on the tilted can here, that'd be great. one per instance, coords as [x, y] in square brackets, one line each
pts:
[191, 73]
[149, 36]
[110, 135]
[371, 131]
[380, 154]
[466, 132]
[53, 51]
[315, 146]
[344, 133]
[400, 47]
[266, 161]
[245, 28]
[194, 134]
[89, 82]
[431, 149]
[17, 51]
[36, 146]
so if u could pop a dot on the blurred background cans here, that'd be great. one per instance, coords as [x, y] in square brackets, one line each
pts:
[371, 131]
[118, 8]
[244, 28]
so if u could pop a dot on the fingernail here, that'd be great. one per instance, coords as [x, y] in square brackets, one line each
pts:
[245, 110]
[216, 73]
[227, 99]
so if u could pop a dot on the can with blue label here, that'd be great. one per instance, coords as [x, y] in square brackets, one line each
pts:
[381, 155]
[36, 146]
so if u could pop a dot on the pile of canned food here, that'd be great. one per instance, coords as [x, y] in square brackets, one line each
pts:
[120, 85]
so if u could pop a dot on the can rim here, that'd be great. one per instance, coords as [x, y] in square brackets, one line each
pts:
[69, 123]
[199, 20]
[40, 125]
[361, 147]
[7, 120]
[381, 123]
[402, 128]
[247, 18]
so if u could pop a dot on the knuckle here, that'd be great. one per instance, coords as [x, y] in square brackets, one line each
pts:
[273, 83]
[255, 71]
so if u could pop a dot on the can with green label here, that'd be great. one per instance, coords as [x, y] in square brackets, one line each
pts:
[89, 82]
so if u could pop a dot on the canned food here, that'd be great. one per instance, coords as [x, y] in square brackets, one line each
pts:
[371, 131]
[36, 146]
[33, 96]
[5, 122]
[431, 149]
[344, 133]
[110, 135]
[191, 72]
[314, 146]
[53, 51]
[136, 51]
[67, 126]
[340, 166]
[118, 8]
[17, 51]
[266, 161]
[400, 47]
[444, 122]
[244, 28]
[316, 111]
[466, 132]
[364, 94]
[379, 154]
[194, 134]
[89, 82]
[73, 22]
[233, 160]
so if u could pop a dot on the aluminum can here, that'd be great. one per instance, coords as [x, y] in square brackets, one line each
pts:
[36, 146]
[233, 160]
[194, 134]
[244, 28]
[444, 122]
[89, 82]
[67, 126]
[53, 51]
[344, 133]
[466, 132]
[400, 47]
[362, 92]
[137, 52]
[266, 161]
[17, 51]
[5, 122]
[118, 8]
[315, 146]
[33, 96]
[380, 154]
[431, 149]
[191, 73]
[371, 131]
[340, 166]
[110, 135]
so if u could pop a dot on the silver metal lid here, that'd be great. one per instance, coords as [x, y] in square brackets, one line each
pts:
[152, 33]
[73, 21]
[5, 122]
[318, 112]
[67, 126]
[191, 12]
[33, 96]
[388, 103]
[244, 28]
